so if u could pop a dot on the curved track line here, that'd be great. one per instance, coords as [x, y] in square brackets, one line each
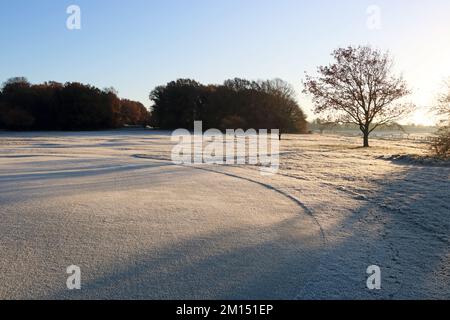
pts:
[270, 187]
[308, 211]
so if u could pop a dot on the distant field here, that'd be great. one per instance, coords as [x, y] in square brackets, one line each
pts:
[425, 134]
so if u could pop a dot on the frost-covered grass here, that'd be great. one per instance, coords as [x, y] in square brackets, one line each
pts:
[140, 227]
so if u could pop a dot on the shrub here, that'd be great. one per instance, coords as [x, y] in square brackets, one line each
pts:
[441, 144]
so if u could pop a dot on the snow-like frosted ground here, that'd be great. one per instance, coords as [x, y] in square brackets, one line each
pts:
[141, 227]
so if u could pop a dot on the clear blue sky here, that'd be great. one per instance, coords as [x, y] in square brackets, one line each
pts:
[137, 44]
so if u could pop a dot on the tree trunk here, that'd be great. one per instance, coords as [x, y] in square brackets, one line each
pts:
[366, 139]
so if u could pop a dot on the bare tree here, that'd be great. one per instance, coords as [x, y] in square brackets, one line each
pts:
[359, 87]
[443, 106]
[325, 124]
[441, 144]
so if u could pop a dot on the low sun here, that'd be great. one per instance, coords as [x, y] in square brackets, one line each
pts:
[424, 118]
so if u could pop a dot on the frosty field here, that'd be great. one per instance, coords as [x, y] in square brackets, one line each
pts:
[141, 227]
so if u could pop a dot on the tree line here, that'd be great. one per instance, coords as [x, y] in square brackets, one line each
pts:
[359, 88]
[236, 104]
[69, 106]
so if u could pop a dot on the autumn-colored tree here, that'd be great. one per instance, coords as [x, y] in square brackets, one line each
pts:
[359, 87]
[56, 106]
[133, 113]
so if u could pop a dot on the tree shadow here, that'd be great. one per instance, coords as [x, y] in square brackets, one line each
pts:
[403, 227]
[223, 265]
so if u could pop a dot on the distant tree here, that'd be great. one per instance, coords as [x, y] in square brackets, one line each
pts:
[15, 83]
[284, 112]
[177, 104]
[269, 104]
[325, 124]
[15, 101]
[133, 113]
[359, 87]
[393, 126]
[88, 108]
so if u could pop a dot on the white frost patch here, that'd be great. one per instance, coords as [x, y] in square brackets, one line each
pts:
[140, 227]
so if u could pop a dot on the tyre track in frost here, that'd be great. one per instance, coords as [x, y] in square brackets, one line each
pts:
[285, 194]
[291, 197]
